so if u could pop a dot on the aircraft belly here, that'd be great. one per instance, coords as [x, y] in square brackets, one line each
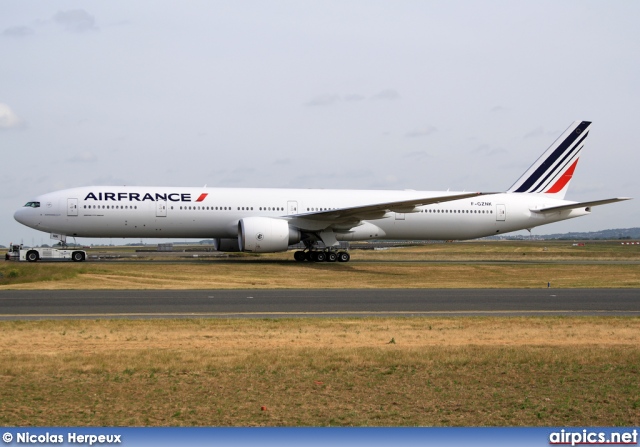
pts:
[103, 225]
[438, 227]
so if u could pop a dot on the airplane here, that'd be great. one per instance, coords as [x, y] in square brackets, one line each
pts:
[261, 220]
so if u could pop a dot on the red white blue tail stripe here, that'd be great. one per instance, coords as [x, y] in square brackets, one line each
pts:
[551, 173]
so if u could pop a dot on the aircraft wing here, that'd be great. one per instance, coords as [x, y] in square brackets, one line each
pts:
[354, 215]
[573, 206]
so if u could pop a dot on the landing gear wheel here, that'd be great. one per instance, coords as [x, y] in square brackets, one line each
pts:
[32, 256]
[77, 256]
[300, 256]
[332, 256]
[343, 256]
[320, 256]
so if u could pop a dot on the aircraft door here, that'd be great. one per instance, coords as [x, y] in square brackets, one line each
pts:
[501, 213]
[292, 207]
[161, 208]
[72, 207]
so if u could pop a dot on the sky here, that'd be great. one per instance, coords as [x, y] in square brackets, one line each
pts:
[424, 95]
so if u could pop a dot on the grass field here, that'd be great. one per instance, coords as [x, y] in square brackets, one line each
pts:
[362, 372]
[548, 371]
[460, 265]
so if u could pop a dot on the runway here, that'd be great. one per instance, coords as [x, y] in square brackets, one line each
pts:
[91, 304]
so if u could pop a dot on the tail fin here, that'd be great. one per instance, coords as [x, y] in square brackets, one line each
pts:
[552, 172]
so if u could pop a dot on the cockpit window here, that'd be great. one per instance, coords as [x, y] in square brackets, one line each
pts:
[33, 204]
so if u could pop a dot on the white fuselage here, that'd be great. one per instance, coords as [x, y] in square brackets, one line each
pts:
[164, 212]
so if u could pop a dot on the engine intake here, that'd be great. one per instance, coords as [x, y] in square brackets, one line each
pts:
[266, 235]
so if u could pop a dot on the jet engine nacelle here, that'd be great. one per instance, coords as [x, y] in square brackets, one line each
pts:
[266, 235]
[224, 244]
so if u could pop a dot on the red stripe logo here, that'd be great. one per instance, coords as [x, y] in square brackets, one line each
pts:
[562, 181]
[202, 197]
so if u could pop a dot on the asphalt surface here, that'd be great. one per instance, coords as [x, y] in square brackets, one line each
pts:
[44, 304]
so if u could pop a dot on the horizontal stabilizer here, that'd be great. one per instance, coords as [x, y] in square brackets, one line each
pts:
[573, 206]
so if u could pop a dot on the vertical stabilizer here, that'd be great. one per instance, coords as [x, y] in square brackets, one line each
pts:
[552, 172]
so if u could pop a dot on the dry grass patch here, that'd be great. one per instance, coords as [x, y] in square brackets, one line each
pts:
[265, 275]
[437, 371]
[479, 264]
[511, 251]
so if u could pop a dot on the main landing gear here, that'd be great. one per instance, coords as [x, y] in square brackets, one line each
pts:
[321, 256]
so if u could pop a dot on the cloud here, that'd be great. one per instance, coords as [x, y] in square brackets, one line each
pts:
[417, 155]
[323, 100]
[428, 130]
[17, 31]
[282, 161]
[386, 95]
[8, 119]
[537, 132]
[540, 132]
[354, 97]
[359, 173]
[497, 109]
[83, 157]
[76, 20]
[488, 150]
[107, 180]
[331, 99]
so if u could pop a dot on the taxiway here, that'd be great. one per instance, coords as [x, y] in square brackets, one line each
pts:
[57, 304]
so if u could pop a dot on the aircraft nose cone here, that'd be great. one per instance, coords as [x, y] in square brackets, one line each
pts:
[24, 217]
[19, 215]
